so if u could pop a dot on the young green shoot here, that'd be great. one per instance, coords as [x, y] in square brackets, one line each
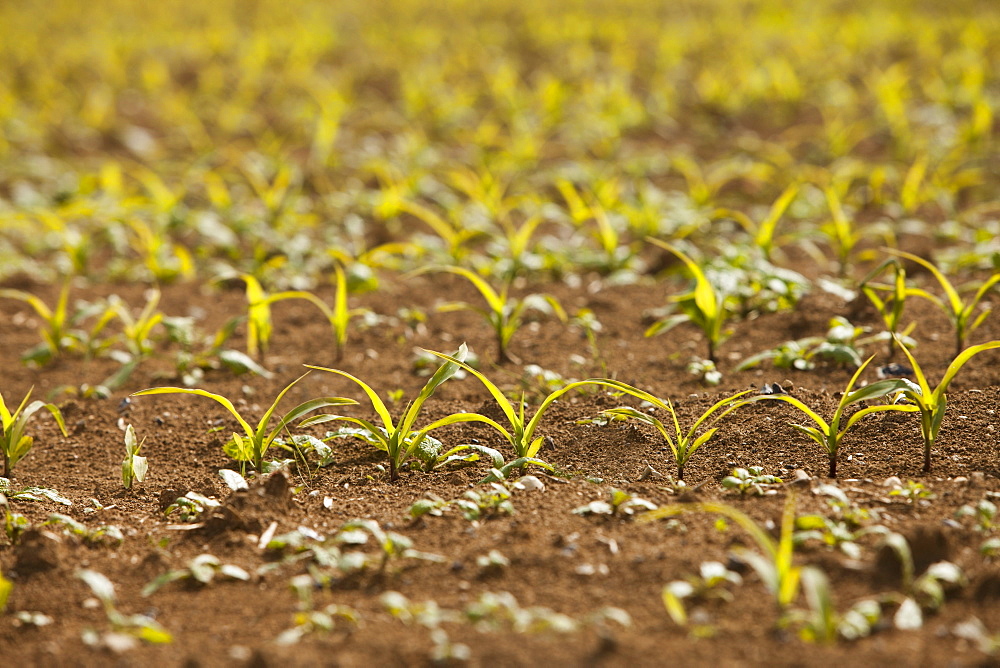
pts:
[134, 466]
[397, 438]
[504, 313]
[253, 443]
[704, 306]
[774, 563]
[890, 308]
[958, 311]
[140, 627]
[14, 443]
[932, 402]
[829, 434]
[338, 316]
[683, 444]
[521, 434]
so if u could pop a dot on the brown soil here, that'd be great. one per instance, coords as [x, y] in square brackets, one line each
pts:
[567, 562]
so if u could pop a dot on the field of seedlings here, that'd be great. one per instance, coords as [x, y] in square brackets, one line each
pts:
[575, 332]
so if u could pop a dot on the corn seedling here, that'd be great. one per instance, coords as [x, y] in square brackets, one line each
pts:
[14, 443]
[774, 563]
[136, 330]
[932, 402]
[252, 445]
[959, 312]
[397, 438]
[683, 444]
[521, 435]
[139, 627]
[57, 322]
[504, 314]
[6, 587]
[891, 307]
[134, 466]
[704, 306]
[840, 231]
[829, 434]
[763, 232]
[338, 316]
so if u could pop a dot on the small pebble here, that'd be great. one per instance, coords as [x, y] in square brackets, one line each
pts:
[893, 481]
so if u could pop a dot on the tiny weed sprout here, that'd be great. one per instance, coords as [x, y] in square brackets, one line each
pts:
[504, 314]
[134, 466]
[190, 506]
[704, 306]
[959, 312]
[773, 564]
[829, 434]
[710, 583]
[203, 569]
[14, 443]
[308, 619]
[619, 503]
[682, 444]
[252, 445]
[397, 438]
[751, 481]
[139, 627]
[913, 491]
[932, 402]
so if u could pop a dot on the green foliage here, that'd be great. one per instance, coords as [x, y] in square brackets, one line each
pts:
[683, 444]
[140, 627]
[958, 311]
[829, 434]
[134, 466]
[252, 445]
[398, 438]
[703, 306]
[203, 569]
[932, 402]
[505, 314]
[773, 563]
[14, 443]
